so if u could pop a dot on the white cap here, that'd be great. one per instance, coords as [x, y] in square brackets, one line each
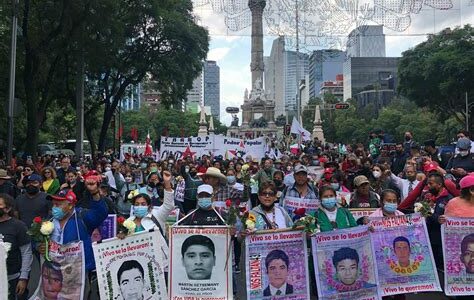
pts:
[205, 188]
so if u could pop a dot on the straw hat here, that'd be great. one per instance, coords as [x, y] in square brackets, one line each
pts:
[4, 174]
[214, 172]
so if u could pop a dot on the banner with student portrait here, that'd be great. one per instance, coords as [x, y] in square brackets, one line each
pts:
[291, 204]
[63, 277]
[131, 268]
[345, 264]
[276, 265]
[201, 263]
[107, 230]
[4, 247]
[458, 251]
[403, 252]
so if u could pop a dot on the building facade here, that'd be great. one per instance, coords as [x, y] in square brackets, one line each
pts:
[366, 41]
[211, 86]
[195, 95]
[333, 87]
[324, 65]
[132, 98]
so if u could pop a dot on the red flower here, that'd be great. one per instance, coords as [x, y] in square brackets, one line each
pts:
[300, 211]
[237, 203]
[120, 220]
[228, 202]
[37, 220]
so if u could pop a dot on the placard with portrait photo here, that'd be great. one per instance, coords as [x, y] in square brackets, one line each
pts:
[201, 263]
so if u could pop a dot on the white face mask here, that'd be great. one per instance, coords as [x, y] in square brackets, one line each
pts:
[377, 174]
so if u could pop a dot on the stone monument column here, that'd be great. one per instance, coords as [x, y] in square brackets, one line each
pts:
[256, 64]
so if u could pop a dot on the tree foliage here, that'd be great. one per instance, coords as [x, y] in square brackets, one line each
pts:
[437, 73]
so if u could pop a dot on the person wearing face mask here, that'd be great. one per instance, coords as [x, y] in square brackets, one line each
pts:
[73, 224]
[192, 181]
[463, 162]
[389, 202]
[76, 184]
[204, 214]
[152, 189]
[123, 203]
[408, 142]
[382, 179]
[267, 215]
[278, 181]
[329, 215]
[399, 159]
[33, 203]
[20, 256]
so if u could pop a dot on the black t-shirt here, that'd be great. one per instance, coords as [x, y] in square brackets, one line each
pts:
[28, 208]
[14, 232]
[203, 217]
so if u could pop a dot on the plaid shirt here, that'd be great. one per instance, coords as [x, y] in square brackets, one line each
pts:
[292, 192]
[225, 192]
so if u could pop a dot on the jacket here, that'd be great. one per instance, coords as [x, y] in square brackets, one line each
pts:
[421, 188]
[373, 200]
[88, 220]
[344, 219]
[260, 223]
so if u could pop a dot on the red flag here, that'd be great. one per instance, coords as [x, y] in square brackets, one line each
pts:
[134, 134]
[148, 148]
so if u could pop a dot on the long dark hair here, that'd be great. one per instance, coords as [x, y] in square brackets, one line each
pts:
[8, 200]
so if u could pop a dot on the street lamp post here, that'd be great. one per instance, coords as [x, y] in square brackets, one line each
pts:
[11, 95]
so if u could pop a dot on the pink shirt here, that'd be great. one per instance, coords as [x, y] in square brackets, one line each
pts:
[458, 207]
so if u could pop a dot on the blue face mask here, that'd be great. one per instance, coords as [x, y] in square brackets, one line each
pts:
[335, 186]
[231, 179]
[140, 211]
[58, 213]
[390, 207]
[329, 203]
[204, 203]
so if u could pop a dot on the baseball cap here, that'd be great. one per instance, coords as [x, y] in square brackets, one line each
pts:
[300, 168]
[430, 166]
[467, 181]
[359, 180]
[64, 195]
[205, 188]
[463, 143]
[34, 177]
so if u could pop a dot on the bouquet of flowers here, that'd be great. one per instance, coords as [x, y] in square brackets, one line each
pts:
[40, 232]
[305, 222]
[133, 194]
[248, 221]
[126, 227]
[232, 212]
[424, 208]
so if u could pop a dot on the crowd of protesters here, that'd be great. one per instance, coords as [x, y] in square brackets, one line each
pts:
[83, 192]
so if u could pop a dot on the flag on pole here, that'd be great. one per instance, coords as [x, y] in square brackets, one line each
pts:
[148, 148]
[296, 128]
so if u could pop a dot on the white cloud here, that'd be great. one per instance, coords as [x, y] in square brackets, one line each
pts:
[217, 54]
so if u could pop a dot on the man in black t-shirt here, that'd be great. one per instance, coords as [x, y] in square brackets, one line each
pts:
[20, 257]
[205, 214]
[33, 203]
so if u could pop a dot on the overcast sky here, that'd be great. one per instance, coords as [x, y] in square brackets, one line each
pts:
[231, 49]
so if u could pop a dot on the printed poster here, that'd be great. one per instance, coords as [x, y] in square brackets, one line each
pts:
[403, 252]
[3, 270]
[276, 265]
[64, 276]
[361, 212]
[345, 266]
[130, 268]
[458, 251]
[107, 230]
[293, 203]
[201, 263]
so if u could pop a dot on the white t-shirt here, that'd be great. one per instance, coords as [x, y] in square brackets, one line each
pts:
[279, 218]
[331, 214]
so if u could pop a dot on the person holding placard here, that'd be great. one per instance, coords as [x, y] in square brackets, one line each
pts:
[330, 216]
[269, 216]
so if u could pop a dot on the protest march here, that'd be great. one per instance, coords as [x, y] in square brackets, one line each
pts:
[214, 218]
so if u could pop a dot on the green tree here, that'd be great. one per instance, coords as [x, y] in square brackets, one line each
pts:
[438, 72]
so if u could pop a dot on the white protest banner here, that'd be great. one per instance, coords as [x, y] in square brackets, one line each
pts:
[293, 203]
[361, 212]
[64, 276]
[196, 146]
[131, 149]
[233, 147]
[345, 264]
[403, 252]
[201, 263]
[3, 270]
[130, 268]
[458, 251]
[277, 265]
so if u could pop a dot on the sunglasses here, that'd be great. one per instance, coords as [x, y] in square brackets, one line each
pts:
[27, 169]
[267, 194]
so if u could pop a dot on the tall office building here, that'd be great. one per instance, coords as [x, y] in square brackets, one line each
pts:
[195, 95]
[366, 41]
[280, 76]
[131, 100]
[211, 86]
[324, 65]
